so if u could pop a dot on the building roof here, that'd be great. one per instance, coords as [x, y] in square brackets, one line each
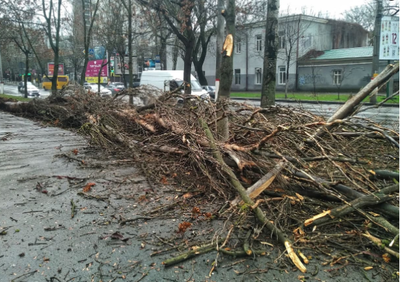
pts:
[346, 53]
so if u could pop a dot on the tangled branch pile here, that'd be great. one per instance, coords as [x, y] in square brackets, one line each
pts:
[302, 177]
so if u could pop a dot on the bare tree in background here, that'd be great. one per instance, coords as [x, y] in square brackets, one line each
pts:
[204, 13]
[14, 26]
[87, 33]
[178, 15]
[365, 14]
[291, 33]
[130, 12]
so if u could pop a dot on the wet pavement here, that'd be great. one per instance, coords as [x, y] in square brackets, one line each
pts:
[52, 229]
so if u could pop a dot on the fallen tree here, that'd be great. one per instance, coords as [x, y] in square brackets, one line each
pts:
[243, 172]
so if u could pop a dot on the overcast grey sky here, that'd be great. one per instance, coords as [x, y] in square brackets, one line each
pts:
[333, 7]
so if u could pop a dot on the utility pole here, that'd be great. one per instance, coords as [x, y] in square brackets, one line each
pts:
[375, 54]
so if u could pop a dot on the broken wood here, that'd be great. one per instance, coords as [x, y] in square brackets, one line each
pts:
[262, 184]
[194, 252]
[383, 174]
[368, 200]
[379, 243]
[350, 193]
[350, 106]
[282, 238]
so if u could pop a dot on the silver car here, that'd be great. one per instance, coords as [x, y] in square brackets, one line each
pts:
[33, 91]
[95, 89]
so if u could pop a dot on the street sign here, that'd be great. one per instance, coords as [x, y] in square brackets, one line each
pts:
[389, 39]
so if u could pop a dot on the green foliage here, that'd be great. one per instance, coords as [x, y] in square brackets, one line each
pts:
[308, 97]
[18, 98]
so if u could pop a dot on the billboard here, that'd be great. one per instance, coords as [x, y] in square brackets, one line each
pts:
[50, 69]
[97, 53]
[389, 37]
[92, 71]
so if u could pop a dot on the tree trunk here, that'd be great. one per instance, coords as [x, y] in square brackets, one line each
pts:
[198, 63]
[130, 49]
[163, 53]
[26, 72]
[226, 72]
[175, 53]
[287, 73]
[270, 54]
[55, 73]
[187, 65]
[220, 40]
[200, 75]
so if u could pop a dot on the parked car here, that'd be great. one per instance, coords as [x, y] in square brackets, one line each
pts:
[210, 90]
[94, 88]
[33, 91]
[115, 87]
[157, 78]
[134, 85]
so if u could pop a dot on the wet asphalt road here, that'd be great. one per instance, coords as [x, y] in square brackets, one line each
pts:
[41, 179]
[41, 241]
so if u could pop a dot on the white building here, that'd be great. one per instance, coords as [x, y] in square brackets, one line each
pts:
[298, 34]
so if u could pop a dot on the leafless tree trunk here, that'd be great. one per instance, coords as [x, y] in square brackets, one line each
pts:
[175, 53]
[128, 6]
[220, 40]
[270, 54]
[54, 37]
[87, 34]
[226, 72]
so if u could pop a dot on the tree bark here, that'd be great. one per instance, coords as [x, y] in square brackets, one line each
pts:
[226, 73]
[130, 51]
[270, 54]
[226, 70]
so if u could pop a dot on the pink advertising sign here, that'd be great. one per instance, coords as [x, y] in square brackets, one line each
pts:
[93, 67]
[50, 67]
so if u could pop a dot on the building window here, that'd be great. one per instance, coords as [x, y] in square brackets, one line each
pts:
[258, 42]
[337, 77]
[238, 46]
[237, 76]
[282, 75]
[258, 75]
[282, 42]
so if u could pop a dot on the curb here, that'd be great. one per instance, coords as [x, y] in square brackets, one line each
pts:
[312, 102]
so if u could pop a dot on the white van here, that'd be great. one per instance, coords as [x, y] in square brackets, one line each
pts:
[170, 79]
